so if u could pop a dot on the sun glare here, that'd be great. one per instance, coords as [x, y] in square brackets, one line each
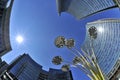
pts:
[100, 29]
[19, 39]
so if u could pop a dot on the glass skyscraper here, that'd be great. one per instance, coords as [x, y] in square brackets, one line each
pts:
[4, 26]
[59, 75]
[83, 8]
[25, 68]
[106, 44]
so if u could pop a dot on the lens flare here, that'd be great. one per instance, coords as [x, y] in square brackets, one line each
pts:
[19, 39]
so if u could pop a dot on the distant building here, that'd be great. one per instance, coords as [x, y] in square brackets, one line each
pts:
[25, 68]
[4, 26]
[43, 75]
[84, 8]
[58, 74]
[106, 45]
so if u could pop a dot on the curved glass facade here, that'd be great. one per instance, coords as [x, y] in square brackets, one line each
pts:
[2, 14]
[106, 45]
[84, 8]
[5, 13]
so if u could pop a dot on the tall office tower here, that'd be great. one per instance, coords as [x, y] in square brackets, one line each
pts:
[58, 74]
[106, 44]
[4, 26]
[25, 68]
[83, 8]
[55, 74]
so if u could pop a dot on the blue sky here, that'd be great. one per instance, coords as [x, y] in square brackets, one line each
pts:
[39, 24]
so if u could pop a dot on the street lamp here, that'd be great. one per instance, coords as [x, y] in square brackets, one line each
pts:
[85, 62]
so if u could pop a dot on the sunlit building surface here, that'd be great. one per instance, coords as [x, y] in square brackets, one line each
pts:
[25, 68]
[83, 8]
[106, 44]
[4, 26]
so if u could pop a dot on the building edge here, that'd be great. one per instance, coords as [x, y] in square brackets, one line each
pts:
[116, 68]
[59, 4]
[6, 28]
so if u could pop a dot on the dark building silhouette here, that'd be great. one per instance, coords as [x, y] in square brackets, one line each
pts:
[3, 66]
[25, 68]
[4, 74]
[4, 26]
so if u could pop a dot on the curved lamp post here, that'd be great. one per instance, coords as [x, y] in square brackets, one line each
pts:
[85, 62]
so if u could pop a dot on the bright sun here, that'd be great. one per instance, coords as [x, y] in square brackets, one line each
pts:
[19, 39]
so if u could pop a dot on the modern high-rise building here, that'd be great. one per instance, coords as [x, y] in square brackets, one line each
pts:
[106, 44]
[83, 8]
[59, 75]
[25, 68]
[4, 26]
